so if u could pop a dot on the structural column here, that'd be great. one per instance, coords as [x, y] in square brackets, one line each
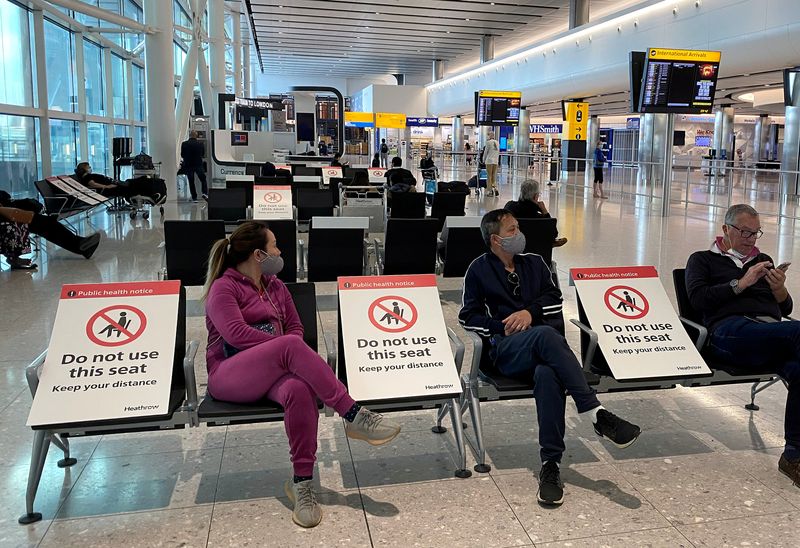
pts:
[246, 68]
[238, 88]
[790, 158]
[522, 138]
[723, 132]
[160, 85]
[216, 52]
[487, 48]
[578, 13]
[41, 88]
[760, 138]
[458, 136]
[438, 70]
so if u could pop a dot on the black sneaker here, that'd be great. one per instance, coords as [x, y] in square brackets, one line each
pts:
[618, 431]
[791, 468]
[551, 490]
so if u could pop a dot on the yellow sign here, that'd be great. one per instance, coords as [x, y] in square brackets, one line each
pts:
[359, 117]
[506, 94]
[683, 55]
[390, 120]
[576, 121]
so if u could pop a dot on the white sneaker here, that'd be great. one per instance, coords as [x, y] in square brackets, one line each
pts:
[371, 427]
[307, 512]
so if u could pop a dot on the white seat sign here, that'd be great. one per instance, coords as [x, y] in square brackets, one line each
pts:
[377, 175]
[111, 353]
[395, 339]
[328, 172]
[272, 202]
[637, 328]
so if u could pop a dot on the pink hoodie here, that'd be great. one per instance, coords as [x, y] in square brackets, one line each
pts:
[233, 305]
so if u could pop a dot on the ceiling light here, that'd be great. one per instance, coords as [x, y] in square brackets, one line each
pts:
[377, 13]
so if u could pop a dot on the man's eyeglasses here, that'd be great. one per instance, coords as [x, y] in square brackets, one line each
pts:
[513, 279]
[747, 233]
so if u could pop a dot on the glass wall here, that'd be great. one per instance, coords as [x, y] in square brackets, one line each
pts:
[17, 154]
[94, 78]
[122, 131]
[98, 146]
[60, 67]
[16, 84]
[132, 11]
[119, 85]
[64, 145]
[139, 140]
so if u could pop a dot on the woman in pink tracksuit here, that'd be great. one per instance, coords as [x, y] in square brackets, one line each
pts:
[256, 350]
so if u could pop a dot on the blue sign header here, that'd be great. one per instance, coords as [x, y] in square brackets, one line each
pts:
[422, 122]
[632, 123]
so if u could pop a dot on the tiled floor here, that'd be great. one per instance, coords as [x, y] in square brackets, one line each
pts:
[703, 474]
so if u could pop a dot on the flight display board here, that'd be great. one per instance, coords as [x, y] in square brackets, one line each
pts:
[679, 81]
[497, 107]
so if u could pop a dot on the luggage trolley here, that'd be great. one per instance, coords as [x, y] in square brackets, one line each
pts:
[143, 166]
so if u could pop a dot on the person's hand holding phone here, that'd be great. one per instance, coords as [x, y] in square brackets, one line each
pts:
[776, 278]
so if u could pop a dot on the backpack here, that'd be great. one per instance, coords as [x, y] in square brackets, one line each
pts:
[142, 162]
[384, 148]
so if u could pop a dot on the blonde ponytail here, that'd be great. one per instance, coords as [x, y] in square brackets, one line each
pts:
[216, 264]
[235, 249]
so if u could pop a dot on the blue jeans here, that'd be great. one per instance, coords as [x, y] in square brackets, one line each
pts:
[542, 352]
[749, 344]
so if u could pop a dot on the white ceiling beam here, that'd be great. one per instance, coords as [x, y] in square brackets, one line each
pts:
[104, 15]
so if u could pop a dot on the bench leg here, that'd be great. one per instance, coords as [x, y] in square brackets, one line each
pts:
[755, 389]
[444, 410]
[41, 443]
[477, 426]
[458, 430]
[63, 444]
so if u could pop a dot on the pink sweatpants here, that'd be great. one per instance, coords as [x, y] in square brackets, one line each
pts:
[287, 371]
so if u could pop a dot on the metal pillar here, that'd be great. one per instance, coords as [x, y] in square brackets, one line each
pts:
[652, 132]
[666, 172]
[458, 135]
[760, 137]
[41, 88]
[216, 51]
[790, 157]
[522, 137]
[592, 137]
[160, 85]
[578, 13]
[238, 88]
[438, 70]
[723, 133]
[487, 48]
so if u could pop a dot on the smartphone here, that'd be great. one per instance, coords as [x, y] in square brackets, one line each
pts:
[783, 266]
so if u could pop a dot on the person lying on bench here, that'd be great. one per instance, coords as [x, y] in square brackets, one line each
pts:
[16, 224]
[256, 350]
[530, 206]
[509, 298]
[100, 183]
[742, 296]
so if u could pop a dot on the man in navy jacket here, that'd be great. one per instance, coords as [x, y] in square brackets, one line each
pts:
[742, 297]
[510, 300]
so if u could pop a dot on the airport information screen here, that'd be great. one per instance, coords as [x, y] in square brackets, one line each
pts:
[679, 81]
[497, 107]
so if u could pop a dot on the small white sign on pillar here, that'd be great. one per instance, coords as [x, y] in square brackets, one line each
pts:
[272, 202]
[395, 339]
[111, 353]
[638, 331]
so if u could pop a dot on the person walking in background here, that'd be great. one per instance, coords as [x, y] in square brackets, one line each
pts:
[384, 154]
[468, 152]
[192, 154]
[491, 157]
[599, 160]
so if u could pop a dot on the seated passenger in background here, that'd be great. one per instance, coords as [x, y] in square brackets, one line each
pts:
[399, 179]
[742, 296]
[530, 206]
[256, 350]
[376, 160]
[337, 161]
[16, 224]
[510, 300]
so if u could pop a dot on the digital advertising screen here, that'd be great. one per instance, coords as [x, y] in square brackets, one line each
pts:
[679, 81]
[239, 138]
[702, 141]
[497, 108]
